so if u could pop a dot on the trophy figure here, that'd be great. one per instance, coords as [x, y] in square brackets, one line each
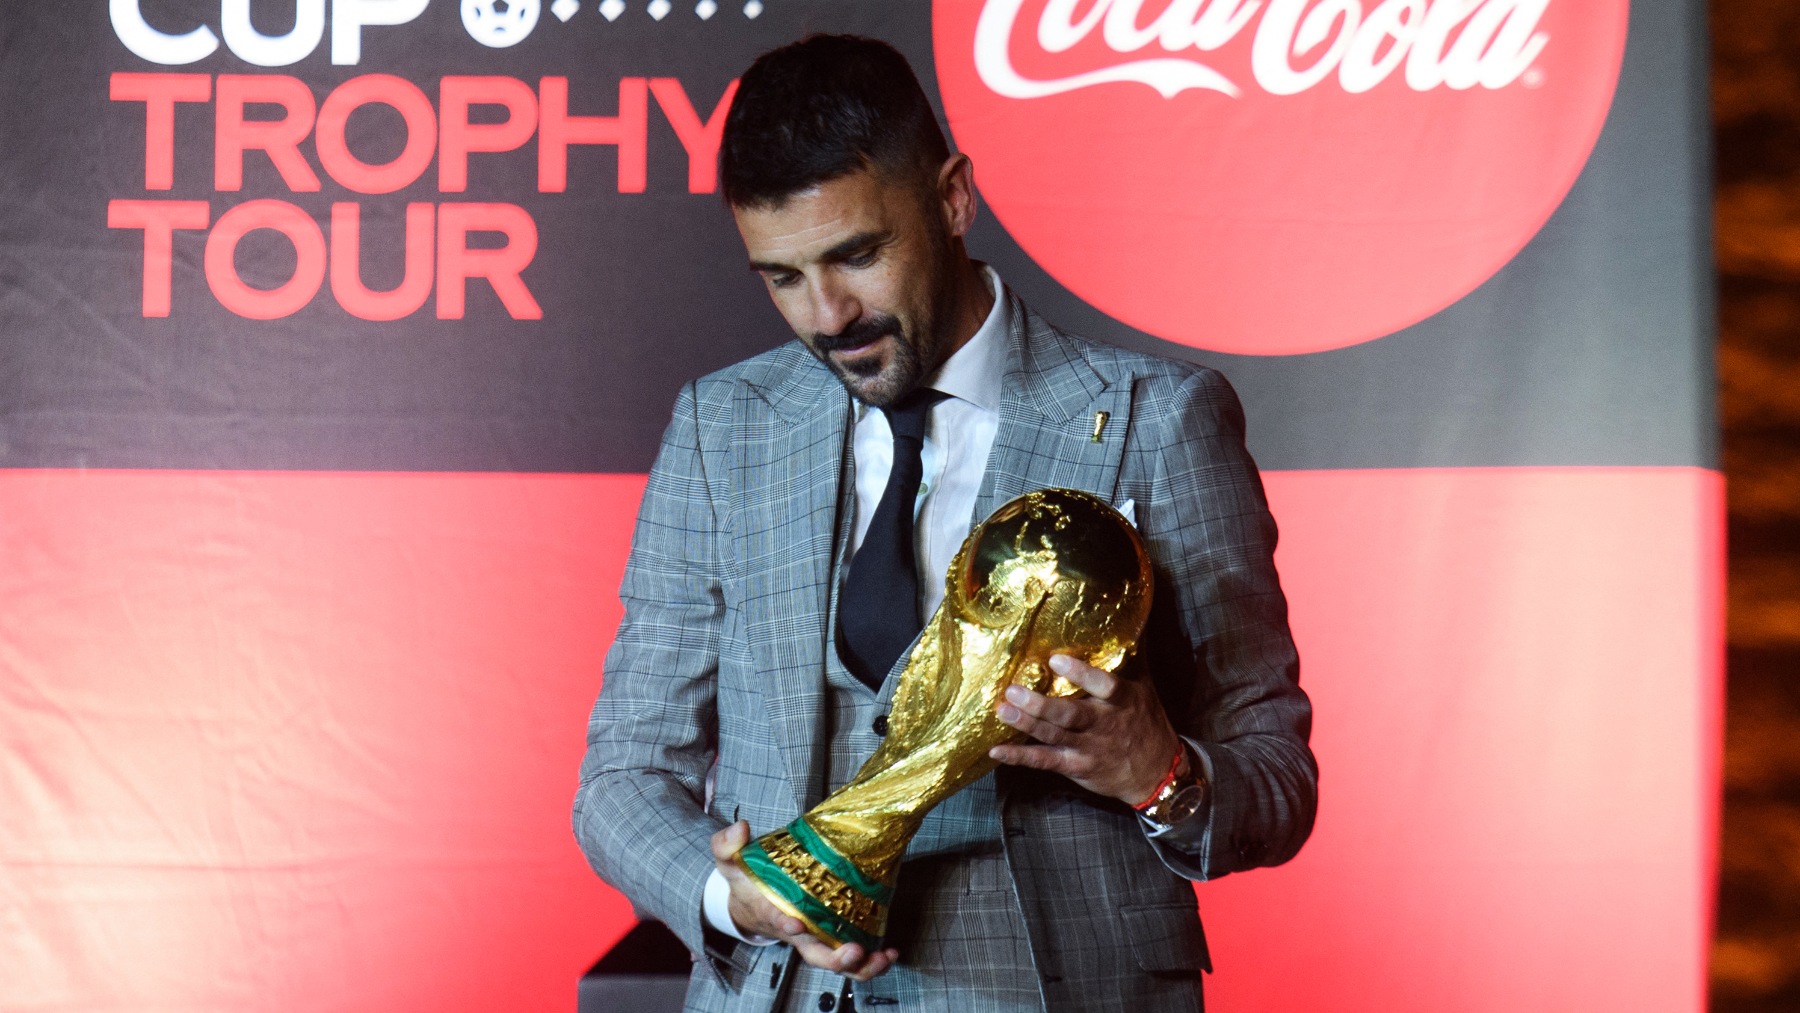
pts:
[1054, 571]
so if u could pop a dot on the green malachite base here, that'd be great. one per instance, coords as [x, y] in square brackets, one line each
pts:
[828, 866]
[839, 866]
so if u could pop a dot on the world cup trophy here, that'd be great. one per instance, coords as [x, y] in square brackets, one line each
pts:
[1054, 571]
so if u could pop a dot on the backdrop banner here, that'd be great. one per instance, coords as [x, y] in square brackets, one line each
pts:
[335, 339]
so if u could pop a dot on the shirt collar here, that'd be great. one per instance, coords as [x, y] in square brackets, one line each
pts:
[974, 372]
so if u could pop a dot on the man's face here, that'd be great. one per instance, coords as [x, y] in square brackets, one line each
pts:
[862, 268]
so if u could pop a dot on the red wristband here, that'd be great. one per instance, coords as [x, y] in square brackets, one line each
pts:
[1168, 779]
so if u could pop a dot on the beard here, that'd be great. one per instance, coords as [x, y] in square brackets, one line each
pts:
[873, 382]
[883, 383]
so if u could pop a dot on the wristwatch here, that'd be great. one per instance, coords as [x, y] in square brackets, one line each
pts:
[1178, 797]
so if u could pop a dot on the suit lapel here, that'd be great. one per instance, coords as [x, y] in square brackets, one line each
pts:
[1046, 433]
[789, 454]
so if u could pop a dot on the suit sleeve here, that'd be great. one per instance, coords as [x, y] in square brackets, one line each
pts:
[1220, 647]
[639, 811]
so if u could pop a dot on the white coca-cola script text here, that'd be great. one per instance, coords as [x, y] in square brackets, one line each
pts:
[1298, 44]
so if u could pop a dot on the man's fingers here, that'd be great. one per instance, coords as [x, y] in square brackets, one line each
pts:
[1048, 758]
[812, 950]
[1043, 731]
[788, 925]
[752, 912]
[729, 842]
[875, 966]
[1074, 715]
[848, 959]
[867, 968]
[1098, 683]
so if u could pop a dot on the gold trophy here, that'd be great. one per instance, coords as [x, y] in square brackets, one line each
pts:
[1054, 571]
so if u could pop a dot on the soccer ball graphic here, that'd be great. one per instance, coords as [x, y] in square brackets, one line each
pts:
[499, 23]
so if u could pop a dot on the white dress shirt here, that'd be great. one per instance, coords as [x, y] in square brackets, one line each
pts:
[959, 434]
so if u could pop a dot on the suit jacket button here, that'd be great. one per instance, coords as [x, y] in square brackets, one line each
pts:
[880, 725]
[827, 1002]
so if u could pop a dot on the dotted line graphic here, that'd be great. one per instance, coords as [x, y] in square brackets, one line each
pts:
[612, 10]
[498, 24]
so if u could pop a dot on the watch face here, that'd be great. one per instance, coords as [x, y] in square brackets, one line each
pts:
[1185, 803]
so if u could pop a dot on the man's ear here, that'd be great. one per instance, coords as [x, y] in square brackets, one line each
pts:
[956, 193]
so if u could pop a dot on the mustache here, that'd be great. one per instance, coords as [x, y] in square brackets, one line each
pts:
[858, 334]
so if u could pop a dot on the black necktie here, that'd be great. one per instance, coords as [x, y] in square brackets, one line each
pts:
[878, 611]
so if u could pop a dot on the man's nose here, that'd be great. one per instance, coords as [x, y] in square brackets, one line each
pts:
[834, 307]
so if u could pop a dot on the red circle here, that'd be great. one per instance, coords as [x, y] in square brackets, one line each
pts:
[1271, 223]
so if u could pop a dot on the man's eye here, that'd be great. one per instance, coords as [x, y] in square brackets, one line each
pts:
[863, 259]
[784, 280]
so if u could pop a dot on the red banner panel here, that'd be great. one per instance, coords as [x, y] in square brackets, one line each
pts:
[307, 741]
[1518, 686]
[300, 741]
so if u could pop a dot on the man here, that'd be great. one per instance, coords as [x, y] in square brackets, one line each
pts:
[794, 532]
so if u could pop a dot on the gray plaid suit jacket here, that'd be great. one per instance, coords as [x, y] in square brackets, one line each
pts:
[714, 703]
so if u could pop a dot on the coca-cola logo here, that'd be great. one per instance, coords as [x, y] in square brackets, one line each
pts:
[1276, 176]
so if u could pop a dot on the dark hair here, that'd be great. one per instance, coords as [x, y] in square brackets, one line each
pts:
[821, 108]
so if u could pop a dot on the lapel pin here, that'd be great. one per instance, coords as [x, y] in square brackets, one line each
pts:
[1100, 424]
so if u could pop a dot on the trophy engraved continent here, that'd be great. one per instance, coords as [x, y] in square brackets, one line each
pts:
[1055, 571]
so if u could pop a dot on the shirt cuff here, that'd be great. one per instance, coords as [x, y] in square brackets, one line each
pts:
[716, 906]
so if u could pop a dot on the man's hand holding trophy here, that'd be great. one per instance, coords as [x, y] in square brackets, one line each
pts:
[1052, 572]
